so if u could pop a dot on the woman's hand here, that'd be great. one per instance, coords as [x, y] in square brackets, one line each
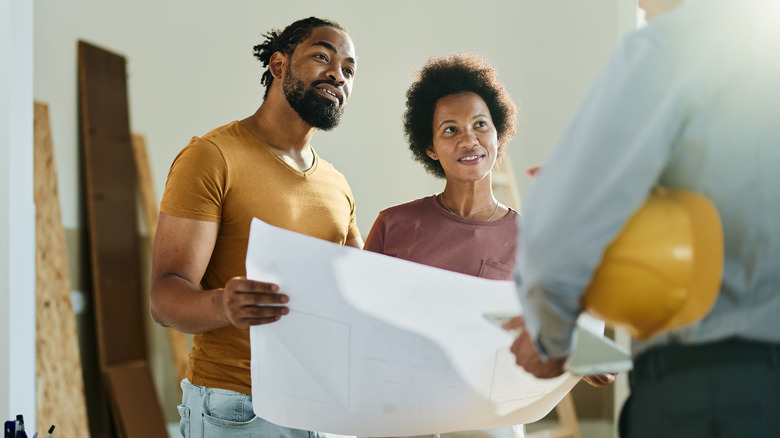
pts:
[600, 380]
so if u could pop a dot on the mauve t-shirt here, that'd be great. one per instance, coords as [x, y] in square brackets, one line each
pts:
[423, 231]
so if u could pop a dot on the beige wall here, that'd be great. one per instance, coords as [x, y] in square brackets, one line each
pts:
[190, 69]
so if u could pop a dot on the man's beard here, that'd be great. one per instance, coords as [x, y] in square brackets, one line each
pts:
[312, 108]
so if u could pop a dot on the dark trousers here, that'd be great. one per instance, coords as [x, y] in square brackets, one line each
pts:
[729, 388]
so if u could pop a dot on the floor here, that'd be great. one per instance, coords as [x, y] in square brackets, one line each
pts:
[588, 429]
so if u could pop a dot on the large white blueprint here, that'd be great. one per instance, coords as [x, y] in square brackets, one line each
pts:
[377, 346]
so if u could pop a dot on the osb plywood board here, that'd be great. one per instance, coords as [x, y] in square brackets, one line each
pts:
[59, 383]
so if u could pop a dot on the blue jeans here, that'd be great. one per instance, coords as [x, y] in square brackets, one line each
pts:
[214, 413]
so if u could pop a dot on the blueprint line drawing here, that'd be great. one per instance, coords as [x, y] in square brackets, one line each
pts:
[378, 346]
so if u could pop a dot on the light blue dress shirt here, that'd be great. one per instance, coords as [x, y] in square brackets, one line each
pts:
[690, 101]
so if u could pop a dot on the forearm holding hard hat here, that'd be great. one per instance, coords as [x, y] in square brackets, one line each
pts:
[599, 173]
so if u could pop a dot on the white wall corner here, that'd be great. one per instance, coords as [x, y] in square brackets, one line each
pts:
[17, 224]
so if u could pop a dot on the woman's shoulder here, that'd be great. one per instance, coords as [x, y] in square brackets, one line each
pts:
[409, 208]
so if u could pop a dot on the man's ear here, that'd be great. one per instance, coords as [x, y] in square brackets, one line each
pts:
[276, 64]
[431, 153]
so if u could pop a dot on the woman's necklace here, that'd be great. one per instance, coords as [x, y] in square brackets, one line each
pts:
[441, 197]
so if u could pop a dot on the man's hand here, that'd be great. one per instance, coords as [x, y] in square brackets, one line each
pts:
[526, 355]
[248, 302]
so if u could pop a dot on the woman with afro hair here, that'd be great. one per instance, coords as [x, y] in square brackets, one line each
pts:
[458, 120]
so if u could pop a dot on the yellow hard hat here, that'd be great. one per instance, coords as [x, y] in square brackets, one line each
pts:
[663, 270]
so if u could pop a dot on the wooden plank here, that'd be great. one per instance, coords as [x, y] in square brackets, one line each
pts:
[110, 194]
[59, 378]
[130, 385]
[505, 185]
[111, 209]
[178, 341]
[568, 416]
[568, 426]
[145, 185]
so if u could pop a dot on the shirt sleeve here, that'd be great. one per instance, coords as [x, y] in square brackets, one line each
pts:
[597, 175]
[197, 182]
[352, 230]
[375, 242]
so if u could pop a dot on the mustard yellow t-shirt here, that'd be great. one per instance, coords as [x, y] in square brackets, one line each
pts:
[229, 176]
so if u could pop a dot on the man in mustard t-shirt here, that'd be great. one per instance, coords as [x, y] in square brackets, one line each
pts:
[262, 166]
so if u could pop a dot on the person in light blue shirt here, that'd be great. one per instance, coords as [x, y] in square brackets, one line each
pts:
[690, 101]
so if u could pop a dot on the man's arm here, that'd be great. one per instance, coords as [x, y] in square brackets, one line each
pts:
[528, 357]
[611, 154]
[182, 249]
